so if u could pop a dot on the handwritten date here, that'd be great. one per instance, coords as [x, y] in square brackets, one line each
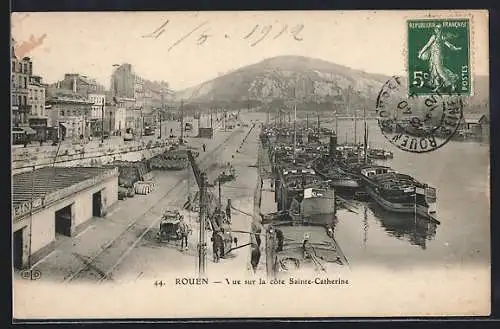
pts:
[256, 35]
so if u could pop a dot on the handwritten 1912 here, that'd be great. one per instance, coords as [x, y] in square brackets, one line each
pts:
[256, 35]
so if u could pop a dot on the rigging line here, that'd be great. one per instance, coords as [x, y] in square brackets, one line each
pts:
[241, 211]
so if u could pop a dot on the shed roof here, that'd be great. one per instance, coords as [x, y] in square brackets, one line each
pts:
[473, 117]
[47, 180]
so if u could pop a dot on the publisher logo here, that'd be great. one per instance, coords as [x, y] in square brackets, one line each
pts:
[31, 274]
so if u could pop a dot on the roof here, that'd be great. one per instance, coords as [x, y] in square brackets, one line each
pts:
[48, 180]
[473, 117]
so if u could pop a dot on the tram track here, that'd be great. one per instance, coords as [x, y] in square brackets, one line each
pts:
[92, 267]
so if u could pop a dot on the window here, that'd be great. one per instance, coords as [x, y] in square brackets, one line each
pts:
[25, 82]
[13, 82]
[24, 99]
[19, 101]
[13, 66]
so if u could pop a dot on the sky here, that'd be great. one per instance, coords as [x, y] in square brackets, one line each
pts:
[193, 47]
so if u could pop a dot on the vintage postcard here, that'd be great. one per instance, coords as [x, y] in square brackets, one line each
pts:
[250, 164]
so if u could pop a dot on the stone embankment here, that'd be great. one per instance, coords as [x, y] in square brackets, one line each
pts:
[23, 159]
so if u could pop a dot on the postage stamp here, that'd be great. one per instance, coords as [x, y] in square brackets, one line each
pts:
[414, 123]
[439, 57]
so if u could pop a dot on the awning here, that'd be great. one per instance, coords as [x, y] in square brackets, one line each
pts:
[65, 125]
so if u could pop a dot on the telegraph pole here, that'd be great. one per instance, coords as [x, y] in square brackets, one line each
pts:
[201, 246]
[182, 121]
[220, 191]
[102, 122]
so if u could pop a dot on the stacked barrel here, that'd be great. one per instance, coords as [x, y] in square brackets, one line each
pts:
[143, 187]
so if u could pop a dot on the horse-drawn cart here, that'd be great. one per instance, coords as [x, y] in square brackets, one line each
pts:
[170, 226]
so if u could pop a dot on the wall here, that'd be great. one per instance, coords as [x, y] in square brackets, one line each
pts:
[23, 159]
[43, 222]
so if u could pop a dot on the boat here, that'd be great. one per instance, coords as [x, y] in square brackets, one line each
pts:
[398, 192]
[298, 246]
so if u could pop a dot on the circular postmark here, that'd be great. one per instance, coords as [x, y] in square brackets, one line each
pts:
[417, 124]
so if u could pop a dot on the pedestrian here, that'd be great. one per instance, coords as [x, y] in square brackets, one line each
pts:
[215, 247]
[41, 141]
[184, 235]
[255, 257]
[204, 147]
[236, 241]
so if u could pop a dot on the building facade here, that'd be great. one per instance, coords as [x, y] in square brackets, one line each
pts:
[80, 84]
[64, 199]
[148, 94]
[21, 71]
[38, 117]
[71, 115]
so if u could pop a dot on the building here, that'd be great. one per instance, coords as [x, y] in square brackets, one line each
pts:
[147, 94]
[123, 81]
[96, 114]
[120, 118]
[70, 114]
[38, 116]
[21, 71]
[79, 84]
[52, 202]
[476, 126]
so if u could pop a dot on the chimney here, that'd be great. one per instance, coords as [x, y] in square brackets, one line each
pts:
[74, 84]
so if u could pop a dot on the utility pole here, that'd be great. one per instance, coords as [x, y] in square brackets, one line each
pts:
[31, 214]
[336, 125]
[318, 123]
[182, 121]
[102, 122]
[307, 120]
[355, 127]
[294, 131]
[211, 120]
[220, 191]
[201, 246]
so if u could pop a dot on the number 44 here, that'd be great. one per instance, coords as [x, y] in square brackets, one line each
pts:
[419, 78]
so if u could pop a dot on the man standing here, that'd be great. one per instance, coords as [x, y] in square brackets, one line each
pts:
[184, 232]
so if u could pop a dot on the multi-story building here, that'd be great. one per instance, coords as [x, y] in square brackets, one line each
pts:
[79, 84]
[123, 82]
[147, 94]
[38, 115]
[69, 113]
[99, 108]
[21, 71]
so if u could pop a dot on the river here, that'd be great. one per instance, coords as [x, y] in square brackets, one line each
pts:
[460, 173]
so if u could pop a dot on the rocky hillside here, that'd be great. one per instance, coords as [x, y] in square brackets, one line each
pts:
[291, 77]
[286, 77]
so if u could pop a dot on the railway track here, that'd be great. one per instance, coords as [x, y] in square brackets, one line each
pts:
[97, 266]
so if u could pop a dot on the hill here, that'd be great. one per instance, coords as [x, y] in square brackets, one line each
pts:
[321, 84]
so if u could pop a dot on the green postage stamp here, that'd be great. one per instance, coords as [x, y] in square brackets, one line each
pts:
[439, 57]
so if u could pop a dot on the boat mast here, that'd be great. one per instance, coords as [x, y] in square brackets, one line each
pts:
[365, 136]
[294, 131]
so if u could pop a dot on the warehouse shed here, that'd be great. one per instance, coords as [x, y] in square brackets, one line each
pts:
[48, 203]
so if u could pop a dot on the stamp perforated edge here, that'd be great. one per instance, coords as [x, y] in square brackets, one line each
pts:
[445, 14]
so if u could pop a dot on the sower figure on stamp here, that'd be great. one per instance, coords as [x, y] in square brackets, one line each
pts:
[433, 53]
